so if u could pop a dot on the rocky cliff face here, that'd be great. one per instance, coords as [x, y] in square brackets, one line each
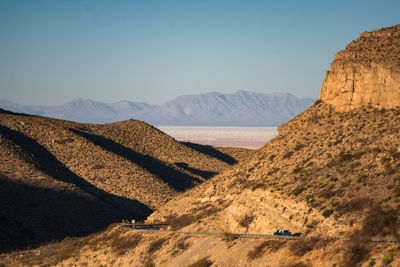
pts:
[366, 73]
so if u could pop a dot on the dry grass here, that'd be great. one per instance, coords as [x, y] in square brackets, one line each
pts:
[257, 252]
[201, 212]
[297, 264]
[330, 170]
[322, 159]
[105, 173]
[69, 247]
[180, 245]
[378, 46]
[301, 247]
[246, 220]
[204, 262]
[377, 222]
[120, 245]
[357, 177]
[265, 246]
[156, 245]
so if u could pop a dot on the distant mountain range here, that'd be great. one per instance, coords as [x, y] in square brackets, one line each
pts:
[242, 108]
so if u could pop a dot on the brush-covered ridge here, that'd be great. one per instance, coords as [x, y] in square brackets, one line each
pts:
[63, 178]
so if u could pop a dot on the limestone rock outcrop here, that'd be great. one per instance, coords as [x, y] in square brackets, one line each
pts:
[366, 73]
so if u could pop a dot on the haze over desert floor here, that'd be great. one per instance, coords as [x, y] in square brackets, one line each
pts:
[244, 137]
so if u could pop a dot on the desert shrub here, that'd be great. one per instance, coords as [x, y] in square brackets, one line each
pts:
[395, 155]
[200, 207]
[98, 167]
[297, 170]
[287, 155]
[177, 222]
[389, 169]
[388, 257]
[229, 237]
[298, 190]
[327, 193]
[297, 264]
[257, 185]
[327, 212]
[380, 222]
[344, 183]
[238, 181]
[156, 245]
[377, 222]
[353, 205]
[299, 146]
[272, 245]
[350, 156]
[54, 253]
[346, 157]
[121, 245]
[302, 246]
[318, 101]
[204, 262]
[274, 170]
[355, 164]
[362, 178]
[246, 220]
[181, 245]
[149, 263]
[311, 225]
[371, 262]
[69, 248]
[64, 141]
[257, 251]
[332, 163]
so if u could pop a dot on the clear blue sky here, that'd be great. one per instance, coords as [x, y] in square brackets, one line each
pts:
[152, 51]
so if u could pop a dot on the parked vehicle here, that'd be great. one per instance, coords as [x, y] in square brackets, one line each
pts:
[283, 232]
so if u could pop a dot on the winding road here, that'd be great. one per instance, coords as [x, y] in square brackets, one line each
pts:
[156, 228]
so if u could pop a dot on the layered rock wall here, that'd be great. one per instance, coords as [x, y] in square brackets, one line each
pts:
[366, 73]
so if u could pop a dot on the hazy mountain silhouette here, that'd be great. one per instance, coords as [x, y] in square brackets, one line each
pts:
[242, 108]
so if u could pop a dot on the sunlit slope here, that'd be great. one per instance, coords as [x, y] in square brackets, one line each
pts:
[324, 170]
[125, 169]
[331, 175]
[326, 175]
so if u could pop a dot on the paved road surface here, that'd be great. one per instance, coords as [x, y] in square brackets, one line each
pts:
[156, 228]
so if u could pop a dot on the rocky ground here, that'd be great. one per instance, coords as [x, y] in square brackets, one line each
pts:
[330, 173]
[61, 178]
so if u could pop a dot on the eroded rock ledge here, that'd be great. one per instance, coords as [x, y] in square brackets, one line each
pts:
[366, 73]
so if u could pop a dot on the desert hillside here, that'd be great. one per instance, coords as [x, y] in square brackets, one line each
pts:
[325, 163]
[61, 178]
[332, 172]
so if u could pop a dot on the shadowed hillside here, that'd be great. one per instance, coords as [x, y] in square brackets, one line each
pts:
[330, 175]
[327, 174]
[332, 172]
[61, 178]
